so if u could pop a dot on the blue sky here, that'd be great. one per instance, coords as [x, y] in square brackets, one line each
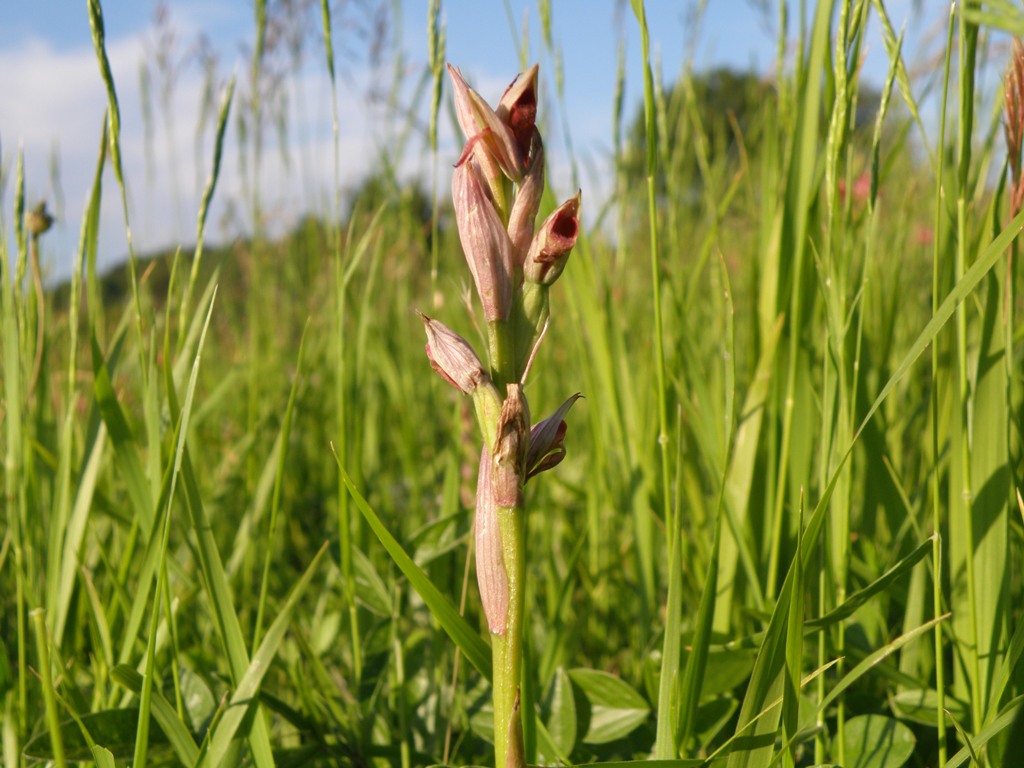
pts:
[54, 100]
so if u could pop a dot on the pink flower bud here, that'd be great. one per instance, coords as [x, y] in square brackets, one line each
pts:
[553, 243]
[547, 438]
[491, 577]
[452, 357]
[518, 108]
[480, 123]
[484, 241]
[523, 217]
[510, 448]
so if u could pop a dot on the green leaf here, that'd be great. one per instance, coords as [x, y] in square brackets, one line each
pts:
[198, 699]
[244, 697]
[652, 764]
[712, 716]
[616, 710]
[876, 657]
[219, 592]
[370, 588]
[458, 629]
[921, 706]
[121, 437]
[724, 669]
[163, 712]
[561, 706]
[104, 757]
[861, 596]
[111, 729]
[876, 741]
[982, 737]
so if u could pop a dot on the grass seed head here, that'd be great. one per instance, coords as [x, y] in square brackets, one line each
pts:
[1013, 122]
[38, 220]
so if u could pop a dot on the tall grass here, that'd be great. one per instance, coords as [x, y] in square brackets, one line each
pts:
[788, 529]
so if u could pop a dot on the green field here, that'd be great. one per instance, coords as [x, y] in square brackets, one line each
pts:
[787, 529]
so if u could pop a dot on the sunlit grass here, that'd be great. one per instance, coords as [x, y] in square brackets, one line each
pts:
[797, 341]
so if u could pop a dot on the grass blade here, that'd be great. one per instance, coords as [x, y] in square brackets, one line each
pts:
[180, 738]
[245, 695]
[464, 636]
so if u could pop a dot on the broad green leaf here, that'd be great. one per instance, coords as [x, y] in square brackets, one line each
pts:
[876, 741]
[921, 706]
[561, 707]
[616, 710]
[199, 701]
[181, 740]
[725, 669]
[111, 729]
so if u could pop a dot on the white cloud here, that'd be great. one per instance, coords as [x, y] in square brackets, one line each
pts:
[53, 104]
[54, 100]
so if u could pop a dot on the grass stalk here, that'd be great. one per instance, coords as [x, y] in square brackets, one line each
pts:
[937, 558]
[38, 616]
[770, 361]
[644, 531]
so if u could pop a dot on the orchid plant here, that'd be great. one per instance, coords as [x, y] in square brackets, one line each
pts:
[497, 188]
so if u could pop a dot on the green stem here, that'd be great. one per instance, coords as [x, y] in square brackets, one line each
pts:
[508, 648]
[502, 349]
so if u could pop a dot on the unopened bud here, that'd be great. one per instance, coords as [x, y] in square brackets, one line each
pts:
[491, 577]
[547, 440]
[518, 108]
[553, 243]
[484, 241]
[522, 219]
[512, 443]
[479, 122]
[452, 357]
